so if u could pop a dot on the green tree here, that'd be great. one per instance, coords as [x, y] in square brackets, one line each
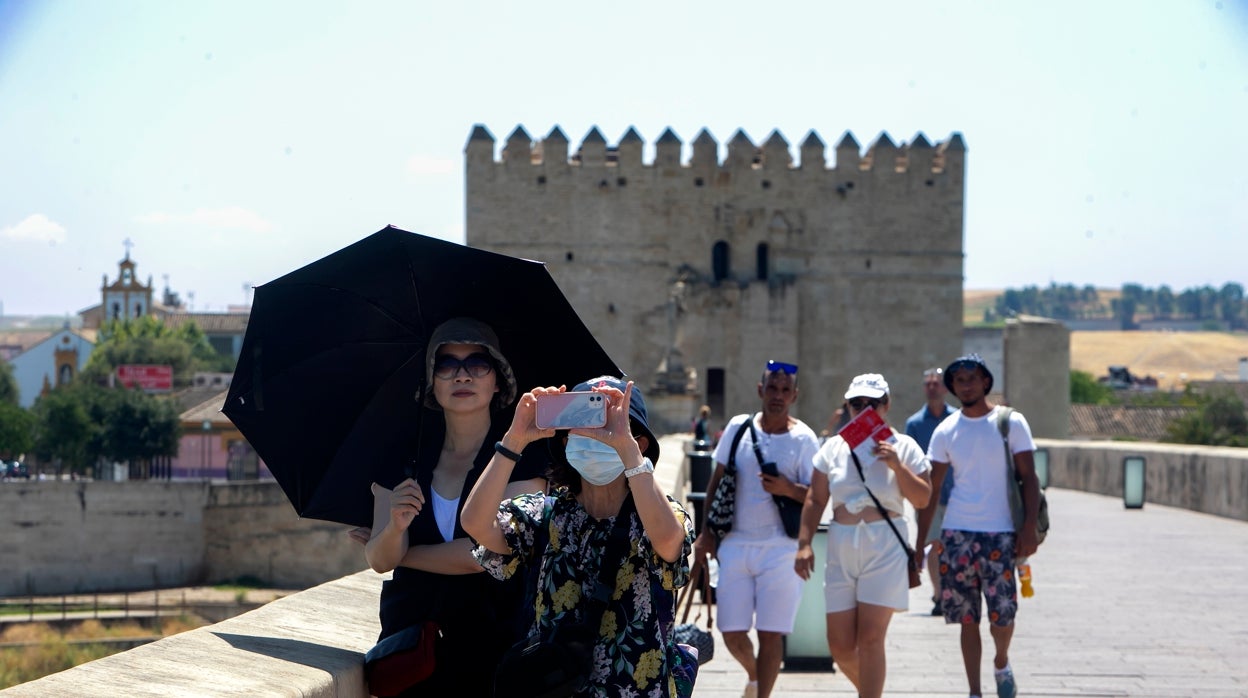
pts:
[63, 430]
[8, 384]
[1085, 390]
[1219, 420]
[17, 430]
[147, 341]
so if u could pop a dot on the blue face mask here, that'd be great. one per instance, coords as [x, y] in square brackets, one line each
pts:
[597, 462]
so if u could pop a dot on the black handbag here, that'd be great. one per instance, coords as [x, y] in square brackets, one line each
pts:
[724, 499]
[790, 509]
[559, 661]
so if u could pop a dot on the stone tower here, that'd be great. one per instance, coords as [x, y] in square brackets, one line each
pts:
[693, 273]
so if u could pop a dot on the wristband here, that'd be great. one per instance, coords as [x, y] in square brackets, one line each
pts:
[506, 452]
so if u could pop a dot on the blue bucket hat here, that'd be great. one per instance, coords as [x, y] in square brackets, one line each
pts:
[970, 361]
[636, 409]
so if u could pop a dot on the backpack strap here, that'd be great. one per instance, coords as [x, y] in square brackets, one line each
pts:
[1003, 426]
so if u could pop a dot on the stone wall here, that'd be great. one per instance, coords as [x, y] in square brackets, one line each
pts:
[1037, 374]
[1209, 479]
[67, 537]
[841, 269]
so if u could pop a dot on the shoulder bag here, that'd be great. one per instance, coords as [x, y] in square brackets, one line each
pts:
[911, 564]
[1015, 488]
[724, 499]
[790, 509]
[693, 634]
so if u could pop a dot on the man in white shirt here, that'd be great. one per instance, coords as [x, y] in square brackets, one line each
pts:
[757, 587]
[978, 541]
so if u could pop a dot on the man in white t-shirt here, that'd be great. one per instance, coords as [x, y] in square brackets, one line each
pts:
[978, 542]
[757, 587]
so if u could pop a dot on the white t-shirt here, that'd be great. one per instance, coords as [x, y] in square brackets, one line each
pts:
[972, 447]
[845, 486]
[444, 511]
[755, 517]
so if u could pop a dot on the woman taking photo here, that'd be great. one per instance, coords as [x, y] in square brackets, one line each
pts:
[416, 530]
[608, 474]
[866, 579]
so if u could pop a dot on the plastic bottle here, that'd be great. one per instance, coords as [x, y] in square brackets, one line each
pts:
[1024, 577]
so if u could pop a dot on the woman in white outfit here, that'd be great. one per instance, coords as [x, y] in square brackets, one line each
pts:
[866, 578]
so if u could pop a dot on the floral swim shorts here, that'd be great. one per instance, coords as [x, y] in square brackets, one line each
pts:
[974, 565]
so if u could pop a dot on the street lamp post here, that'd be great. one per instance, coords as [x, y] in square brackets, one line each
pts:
[205, 462]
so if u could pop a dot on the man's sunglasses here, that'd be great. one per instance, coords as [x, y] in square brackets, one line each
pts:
[773, 366]
[861, 403]
[477, 365]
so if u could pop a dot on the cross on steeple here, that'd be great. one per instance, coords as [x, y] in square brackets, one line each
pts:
[127, 244]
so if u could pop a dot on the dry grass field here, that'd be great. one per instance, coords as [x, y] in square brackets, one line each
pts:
[1173, 358]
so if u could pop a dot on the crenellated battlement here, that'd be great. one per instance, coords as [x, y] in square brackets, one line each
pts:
[918, 156]
[708, 255]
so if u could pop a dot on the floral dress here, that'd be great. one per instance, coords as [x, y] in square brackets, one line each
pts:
[635, 655]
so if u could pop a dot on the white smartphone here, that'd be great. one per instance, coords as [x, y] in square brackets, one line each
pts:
[584, 410]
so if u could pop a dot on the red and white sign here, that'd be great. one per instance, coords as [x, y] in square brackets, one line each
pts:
[863, 432]
[151, 378]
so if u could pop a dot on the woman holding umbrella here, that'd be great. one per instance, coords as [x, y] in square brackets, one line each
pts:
[416, 530]
[608, 527]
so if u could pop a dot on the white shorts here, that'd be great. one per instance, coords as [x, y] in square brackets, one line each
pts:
[866, 564]
[757, 586]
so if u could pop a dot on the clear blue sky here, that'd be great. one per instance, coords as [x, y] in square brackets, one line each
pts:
[235, 141]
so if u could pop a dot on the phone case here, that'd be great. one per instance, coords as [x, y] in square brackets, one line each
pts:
[584, 410]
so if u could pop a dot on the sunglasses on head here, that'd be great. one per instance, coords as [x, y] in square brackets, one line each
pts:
[861, 403]
[773, 366]
[477, 365]
[933, 372]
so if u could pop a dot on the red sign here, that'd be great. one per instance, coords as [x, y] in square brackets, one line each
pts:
[150, 377]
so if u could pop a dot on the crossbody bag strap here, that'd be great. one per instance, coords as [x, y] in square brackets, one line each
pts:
[758, 451]
[618, 545]
[883, 512]
[731, 466]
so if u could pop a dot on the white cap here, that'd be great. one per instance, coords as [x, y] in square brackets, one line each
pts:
[870, 385]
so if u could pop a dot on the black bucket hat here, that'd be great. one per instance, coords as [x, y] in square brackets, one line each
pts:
[967, 361]
[466, 330]
[636, 409]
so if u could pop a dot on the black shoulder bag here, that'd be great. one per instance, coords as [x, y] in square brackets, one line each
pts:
[723, 500]
[557, 662]
[911, 564]
[790, 510]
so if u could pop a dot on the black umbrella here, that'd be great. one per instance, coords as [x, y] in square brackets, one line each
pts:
[326, 388]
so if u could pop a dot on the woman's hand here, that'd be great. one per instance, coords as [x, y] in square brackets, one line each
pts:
[887, 453]
[524, 429]
[804, 564]
[616, 432]
[406, 501]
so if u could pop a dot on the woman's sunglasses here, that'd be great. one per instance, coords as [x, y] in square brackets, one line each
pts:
[476, 365]
[861, 403]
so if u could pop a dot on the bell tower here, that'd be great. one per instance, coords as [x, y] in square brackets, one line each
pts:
[125, 298]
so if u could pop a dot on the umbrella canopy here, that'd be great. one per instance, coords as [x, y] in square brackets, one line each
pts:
[332, 367]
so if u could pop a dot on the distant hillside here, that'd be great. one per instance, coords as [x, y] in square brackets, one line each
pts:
[1165, 356]
[976, 301]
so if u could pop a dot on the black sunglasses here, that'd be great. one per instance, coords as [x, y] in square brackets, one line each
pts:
[861, 403]
[477, 365]
[773, 366]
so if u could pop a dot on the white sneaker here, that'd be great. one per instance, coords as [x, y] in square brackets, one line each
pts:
[751, 690]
